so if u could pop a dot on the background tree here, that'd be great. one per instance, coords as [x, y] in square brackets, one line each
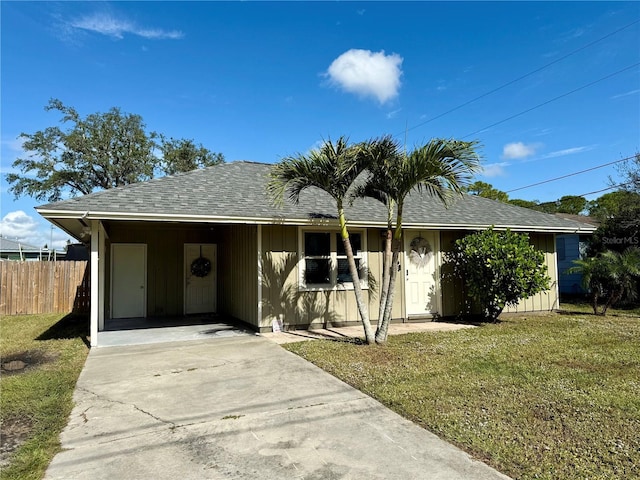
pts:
[184, 155]
[612, 204]
[486, 190]
[333, 169]
[630, 172]
[100, 151]
[619, 214]
[441, 168]
[610, 276]
[572, 204]
[531, 204]
[97, 152]
[498, 268]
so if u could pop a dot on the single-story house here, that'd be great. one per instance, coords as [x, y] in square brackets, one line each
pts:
[211, 240]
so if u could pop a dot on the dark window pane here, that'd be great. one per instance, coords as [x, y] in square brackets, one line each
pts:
[344, 276]
[317, 244]
[356, 244]
[316, 271]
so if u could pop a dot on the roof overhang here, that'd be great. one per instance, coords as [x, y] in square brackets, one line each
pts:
[75, 223]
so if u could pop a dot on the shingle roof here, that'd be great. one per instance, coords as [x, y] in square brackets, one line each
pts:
[236, 191]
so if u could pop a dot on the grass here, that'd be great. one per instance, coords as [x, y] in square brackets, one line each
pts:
[537, 397]
[36, 400]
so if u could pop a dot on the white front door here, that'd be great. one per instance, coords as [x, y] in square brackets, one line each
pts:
[200, 273]
[128, 280]
[422, 285]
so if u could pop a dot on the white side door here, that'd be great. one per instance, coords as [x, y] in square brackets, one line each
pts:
[200, 288]
[421, 282]
[128, 280]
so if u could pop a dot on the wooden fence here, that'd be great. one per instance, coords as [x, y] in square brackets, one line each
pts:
[44, 287]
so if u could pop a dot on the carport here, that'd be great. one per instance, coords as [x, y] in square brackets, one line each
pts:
[141, 331]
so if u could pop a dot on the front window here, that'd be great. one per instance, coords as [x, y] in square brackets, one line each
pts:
[317, 259]
[344, 275]
[325, 263]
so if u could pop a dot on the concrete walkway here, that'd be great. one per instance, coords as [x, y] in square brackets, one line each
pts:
[357, 332]
[238, 408]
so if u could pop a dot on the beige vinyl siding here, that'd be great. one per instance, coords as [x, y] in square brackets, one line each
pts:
[547, 300]
[453, 296]
[238, 272]
[279, 274]
[283, 299]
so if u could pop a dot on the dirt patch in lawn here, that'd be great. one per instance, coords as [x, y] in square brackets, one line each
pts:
[21, 362]
[13, 433]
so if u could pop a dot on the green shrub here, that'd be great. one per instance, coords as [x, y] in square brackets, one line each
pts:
[498, 269]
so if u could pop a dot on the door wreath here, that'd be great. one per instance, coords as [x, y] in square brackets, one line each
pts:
[201, 266]
[420, 252]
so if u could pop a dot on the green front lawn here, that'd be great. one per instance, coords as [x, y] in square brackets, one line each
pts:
[537, 397]
[42, 356]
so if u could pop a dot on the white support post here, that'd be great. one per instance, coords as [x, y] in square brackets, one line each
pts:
[259, 277]
[95, 281]
[102, 235]
[554, 257]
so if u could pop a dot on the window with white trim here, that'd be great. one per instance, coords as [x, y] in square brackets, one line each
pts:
[324, 263]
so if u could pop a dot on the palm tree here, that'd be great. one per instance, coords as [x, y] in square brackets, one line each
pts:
[442, 168]
[610, 276]
[332, 168]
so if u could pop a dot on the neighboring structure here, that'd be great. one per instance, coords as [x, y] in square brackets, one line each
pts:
[76, 252]
[15, 250]
[570, 247]
[211, 241]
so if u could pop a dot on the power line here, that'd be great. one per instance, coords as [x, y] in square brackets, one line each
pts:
[522, 77]
[571, 175]
[590, 193]
[605, 189]
[554, 99]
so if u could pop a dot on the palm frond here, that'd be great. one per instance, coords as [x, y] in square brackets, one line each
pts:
[333, 167]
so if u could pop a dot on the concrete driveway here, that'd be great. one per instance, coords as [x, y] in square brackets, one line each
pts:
[238, 408]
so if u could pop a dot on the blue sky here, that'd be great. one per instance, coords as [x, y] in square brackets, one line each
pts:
[263, 80]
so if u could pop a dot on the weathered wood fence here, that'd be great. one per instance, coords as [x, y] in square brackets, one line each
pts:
[44, 287]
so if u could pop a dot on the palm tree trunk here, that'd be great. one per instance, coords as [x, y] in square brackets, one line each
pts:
[383, 331]
[386, 276]
[355, 277]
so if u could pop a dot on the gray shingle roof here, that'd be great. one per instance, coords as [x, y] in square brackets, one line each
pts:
[236, 190]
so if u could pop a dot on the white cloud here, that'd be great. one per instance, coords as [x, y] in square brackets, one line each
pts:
[494, 169]
[13, 144]
[393, 114]
[367, 73]
[109, 25]
[632, 92]
[568, 151]
[19, 226]
[517, 150]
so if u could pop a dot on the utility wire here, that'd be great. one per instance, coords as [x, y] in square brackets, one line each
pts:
[590, 193]
[554, 99]
[522, 77]
[571, 174]
[605, 189]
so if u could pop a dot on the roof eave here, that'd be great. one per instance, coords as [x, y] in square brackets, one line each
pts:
[51, 214]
